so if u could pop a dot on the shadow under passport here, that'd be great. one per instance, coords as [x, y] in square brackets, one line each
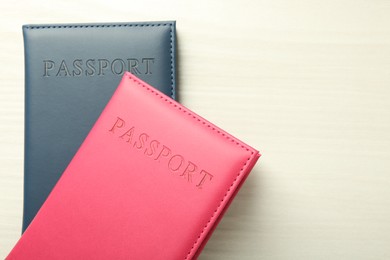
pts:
[238, 220]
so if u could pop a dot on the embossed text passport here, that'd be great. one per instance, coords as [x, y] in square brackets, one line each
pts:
[71, 71]
[151, 181]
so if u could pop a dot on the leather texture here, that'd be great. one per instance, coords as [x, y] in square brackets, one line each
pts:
[71, 71]
[151, 181]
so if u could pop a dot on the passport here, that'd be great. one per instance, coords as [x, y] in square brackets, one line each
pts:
[71, 71]
[151, 181]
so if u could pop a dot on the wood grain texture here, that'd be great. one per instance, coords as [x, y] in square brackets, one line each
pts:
[306, 82]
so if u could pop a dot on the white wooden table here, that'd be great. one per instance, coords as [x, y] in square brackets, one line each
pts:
[306, 82]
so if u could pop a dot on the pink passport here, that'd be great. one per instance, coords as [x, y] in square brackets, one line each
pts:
[151, 181]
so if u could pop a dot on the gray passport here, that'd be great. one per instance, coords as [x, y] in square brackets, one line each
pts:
[71, 71]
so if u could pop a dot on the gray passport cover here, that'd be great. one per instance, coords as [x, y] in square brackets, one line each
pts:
[71, 71]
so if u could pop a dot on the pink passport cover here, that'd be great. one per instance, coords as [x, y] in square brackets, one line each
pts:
[151, 181]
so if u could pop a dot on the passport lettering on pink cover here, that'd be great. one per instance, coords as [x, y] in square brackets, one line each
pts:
[151, 181]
